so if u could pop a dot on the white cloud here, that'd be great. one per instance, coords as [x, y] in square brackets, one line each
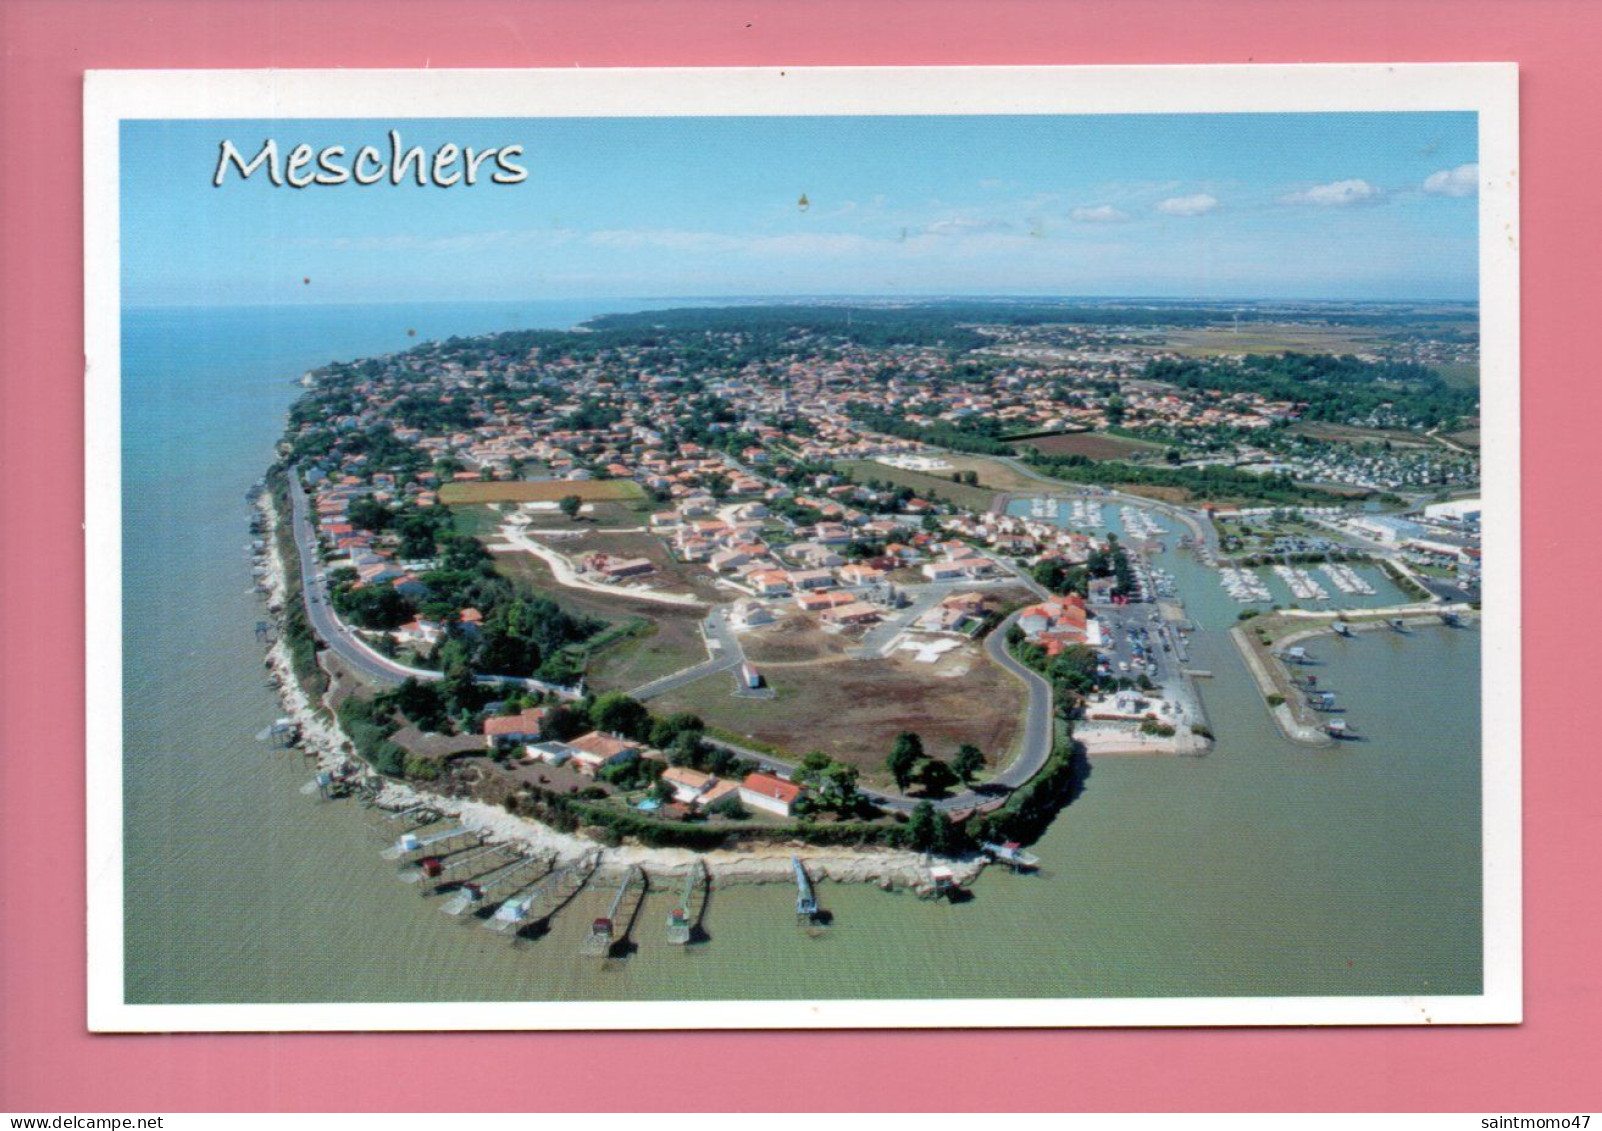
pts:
[965, 225]
[1461, 181]
[1337, 194]
[1198, 205]
[1099, 214]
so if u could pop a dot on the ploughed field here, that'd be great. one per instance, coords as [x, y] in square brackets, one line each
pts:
[1092, 445]
[542, 491]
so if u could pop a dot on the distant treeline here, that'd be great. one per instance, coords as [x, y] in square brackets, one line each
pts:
[1213, 483]
[1333, 388]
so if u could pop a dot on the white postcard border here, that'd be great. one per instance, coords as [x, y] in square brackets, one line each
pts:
[1490, 89]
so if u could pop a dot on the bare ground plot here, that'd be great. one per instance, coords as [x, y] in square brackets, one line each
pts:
[853, 710]
[1092, 445]
[928, 485]
[1468, 438]
[796, 639]
[542, 491]
[667, 644]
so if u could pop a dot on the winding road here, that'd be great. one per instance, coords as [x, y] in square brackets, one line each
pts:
[337, 635]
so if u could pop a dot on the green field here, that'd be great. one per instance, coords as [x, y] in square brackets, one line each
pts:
[932, 486]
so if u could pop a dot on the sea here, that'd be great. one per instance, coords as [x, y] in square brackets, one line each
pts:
[1263, 868]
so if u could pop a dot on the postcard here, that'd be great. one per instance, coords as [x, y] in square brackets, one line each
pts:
[803, 548]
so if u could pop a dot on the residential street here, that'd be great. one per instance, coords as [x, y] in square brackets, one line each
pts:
[338, 636]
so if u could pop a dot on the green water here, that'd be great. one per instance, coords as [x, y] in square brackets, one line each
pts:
[1264, 868]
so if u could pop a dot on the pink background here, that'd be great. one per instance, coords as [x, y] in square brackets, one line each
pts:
[49, 1062]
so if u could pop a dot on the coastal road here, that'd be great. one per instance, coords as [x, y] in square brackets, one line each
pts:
[337, 635]
[1037, 736]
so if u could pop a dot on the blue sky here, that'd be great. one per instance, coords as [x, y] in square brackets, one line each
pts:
[1347, 206]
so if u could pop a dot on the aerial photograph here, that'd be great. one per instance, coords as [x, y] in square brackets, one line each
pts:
[870, 557]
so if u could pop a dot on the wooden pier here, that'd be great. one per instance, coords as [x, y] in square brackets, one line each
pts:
[686, 915]
[806, 900]
[604, 934]
[457, 865]
[411, 848]
[548, 896]
[497, 886]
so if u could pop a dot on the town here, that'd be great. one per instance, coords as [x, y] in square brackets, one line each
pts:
[879, 575]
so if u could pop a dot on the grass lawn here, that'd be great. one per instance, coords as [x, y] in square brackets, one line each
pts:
[544, 491]
[665, 645]
[935, 486]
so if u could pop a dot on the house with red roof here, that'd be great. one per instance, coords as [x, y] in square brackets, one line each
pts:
[769, 793]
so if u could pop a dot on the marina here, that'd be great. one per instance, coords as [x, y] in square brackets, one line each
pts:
[1244, 585]
[1301, 584]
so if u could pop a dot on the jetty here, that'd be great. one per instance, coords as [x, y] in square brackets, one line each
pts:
[500, 884]
[604, 935]
[548, 896]
[443, 869]
[411, 848]
[686, 914]
[806, 900]
[1012, 854]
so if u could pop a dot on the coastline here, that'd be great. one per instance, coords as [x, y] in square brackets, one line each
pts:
[323, 739]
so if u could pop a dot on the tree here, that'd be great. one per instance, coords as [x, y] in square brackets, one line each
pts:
[838, 787]
[930, 831]
[616, 713]
[420, 702]
[968, 762]
[936, 777]
[904, 758]
[571, 505]
[664, 732]
[460, 683]
[563, 722]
